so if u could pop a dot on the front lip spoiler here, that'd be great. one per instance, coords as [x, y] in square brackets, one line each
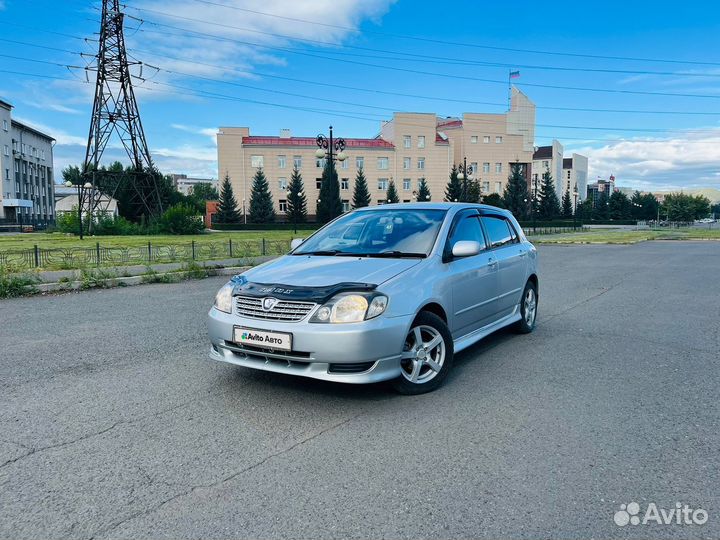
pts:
[383, 369]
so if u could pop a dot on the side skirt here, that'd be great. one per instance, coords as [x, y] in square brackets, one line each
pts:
[473, 337]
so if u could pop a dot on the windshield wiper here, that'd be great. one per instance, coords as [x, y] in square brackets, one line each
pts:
[327, 252]
[397, 254]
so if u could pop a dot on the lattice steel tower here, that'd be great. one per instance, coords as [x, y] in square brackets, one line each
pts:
[115, 110]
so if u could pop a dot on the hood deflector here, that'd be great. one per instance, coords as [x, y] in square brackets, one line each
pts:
[318, 295]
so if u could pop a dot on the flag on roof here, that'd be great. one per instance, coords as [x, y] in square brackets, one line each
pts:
[514, 74]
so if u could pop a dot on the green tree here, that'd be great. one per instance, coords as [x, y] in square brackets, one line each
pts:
[567, 205]
[494, 199]
[227, 210]
[204, 191]
[644, 206]
[683, 207]
[296, 199]
[73, 174]
[620, 206]
[454, 189]
[423, 192]
[584, 210]
[548, 206]
[392, 195]
[601, 210]
[262, 209]
[361, 194]
[516, 194]
[330, 205]
[473, 191]
[181, 219]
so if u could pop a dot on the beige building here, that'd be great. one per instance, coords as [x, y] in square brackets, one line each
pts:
[548, 158]
[409, 147]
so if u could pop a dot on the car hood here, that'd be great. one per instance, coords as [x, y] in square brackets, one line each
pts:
[321, 271]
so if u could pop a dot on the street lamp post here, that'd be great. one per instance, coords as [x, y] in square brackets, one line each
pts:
[83, 191]
[464, 174]
[575, 196]
[330, 149]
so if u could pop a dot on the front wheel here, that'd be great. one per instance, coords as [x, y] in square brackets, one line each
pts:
[426, 357]
[528, 309]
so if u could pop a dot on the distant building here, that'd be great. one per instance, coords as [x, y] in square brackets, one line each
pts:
[597, 189]
[575, 175]
[184, 184]
[548, 158]
[410, 147]
[26, 165]
[66, 200]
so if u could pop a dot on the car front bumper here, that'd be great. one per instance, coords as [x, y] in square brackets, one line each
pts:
[358, 353]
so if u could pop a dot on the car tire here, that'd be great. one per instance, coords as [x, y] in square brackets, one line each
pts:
[425, 365]
[528, 309]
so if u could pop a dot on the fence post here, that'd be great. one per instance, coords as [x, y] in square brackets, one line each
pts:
[263, 246]
[97, 253]
[230, 244]
[193, 250]
[149, 253]
[37, 256]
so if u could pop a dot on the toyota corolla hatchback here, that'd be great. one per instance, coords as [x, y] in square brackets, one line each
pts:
[382, 293]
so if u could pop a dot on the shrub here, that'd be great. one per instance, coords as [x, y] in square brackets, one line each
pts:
[12, 285]
[181, 219]
[107, 225]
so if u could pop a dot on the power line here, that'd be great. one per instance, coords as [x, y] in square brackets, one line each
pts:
[408, 70]
[454, 43]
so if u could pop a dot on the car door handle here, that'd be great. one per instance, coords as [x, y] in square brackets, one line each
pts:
[492, 262]
[523, 253]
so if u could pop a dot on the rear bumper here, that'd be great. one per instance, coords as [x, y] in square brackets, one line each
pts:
[358, 353]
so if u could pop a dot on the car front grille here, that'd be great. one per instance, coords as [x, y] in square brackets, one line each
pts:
[283, 310]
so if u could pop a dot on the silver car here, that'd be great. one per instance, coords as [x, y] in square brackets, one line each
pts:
[382, 293]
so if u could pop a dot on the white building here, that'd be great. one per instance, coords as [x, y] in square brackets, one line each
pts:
[66, 200]
[575, 174]
[26, 166]
[184, 184]
[548, 158]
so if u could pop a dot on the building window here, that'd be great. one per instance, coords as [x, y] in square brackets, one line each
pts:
[406, 163]
[346, 205]
[256, 161]
[382, 183]
[486, 187]
[320, 163]
[474, 167]
[486, 139]
[498, 187]
[382, 163]
[486, 167]
[345, 183]
[318, 183]
[569, 174]
[474, 139]
[546, 164]
[407, 141]
[283, 205]
[421, 141]
[406, 184]
[281, 162]
[381, 202]
[7, 150]
[498, 168]
[282, 183]
[42, 155]
[297, 161]
[535, 177]
[498, 140]
[345, 164]
[421, 163]
[359, 162]
[5, 126]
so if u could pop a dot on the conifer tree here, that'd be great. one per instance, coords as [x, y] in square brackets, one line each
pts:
[548, 205]
[454, 189]
[516, 196]
[423, 193]
[296, 199]
[227, 211]
[392, 195]
[262, 209]
[330, 205]
[361, 194]
[567, 209]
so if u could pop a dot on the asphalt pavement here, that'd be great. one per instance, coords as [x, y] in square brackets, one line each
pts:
[115, 424]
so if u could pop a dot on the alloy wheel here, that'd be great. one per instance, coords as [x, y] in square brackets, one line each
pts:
[530, 305]
[423, 355]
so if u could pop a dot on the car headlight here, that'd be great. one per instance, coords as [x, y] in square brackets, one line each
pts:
[351, 307]
[223, 298]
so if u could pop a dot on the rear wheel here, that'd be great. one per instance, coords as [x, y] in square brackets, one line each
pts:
[528, 309]
[426, 357]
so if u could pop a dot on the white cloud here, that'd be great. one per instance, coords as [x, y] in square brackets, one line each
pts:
[206, 132]
[687, 160]
[60, 136]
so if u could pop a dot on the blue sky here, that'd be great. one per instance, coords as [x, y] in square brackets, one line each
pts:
[206, 51]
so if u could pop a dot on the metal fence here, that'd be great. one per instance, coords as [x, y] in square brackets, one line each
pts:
[99, 255]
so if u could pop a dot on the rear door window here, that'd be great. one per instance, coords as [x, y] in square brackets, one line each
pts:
[498, 231]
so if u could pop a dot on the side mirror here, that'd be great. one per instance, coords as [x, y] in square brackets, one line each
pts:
[295, 243]
[466, 248]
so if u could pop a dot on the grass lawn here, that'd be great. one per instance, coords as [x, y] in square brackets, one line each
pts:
[624, 236]
[64, 241]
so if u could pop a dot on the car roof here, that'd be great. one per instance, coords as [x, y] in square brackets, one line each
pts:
[430, 206]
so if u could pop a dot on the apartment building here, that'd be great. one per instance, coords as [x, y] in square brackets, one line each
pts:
[600, 188]
[548, 158]
[575, 175]
[184, 183]
[26, 165]
[409, 147]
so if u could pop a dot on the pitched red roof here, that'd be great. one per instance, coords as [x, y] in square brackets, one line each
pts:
[440, 140]
[449, 123]
[310, 141]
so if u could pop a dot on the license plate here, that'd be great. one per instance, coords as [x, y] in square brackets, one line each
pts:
[261, 338]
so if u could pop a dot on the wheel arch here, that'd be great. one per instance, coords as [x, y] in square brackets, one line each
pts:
[435, 309]
[533, 278]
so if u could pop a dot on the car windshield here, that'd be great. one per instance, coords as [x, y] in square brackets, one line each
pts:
[377, 233]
